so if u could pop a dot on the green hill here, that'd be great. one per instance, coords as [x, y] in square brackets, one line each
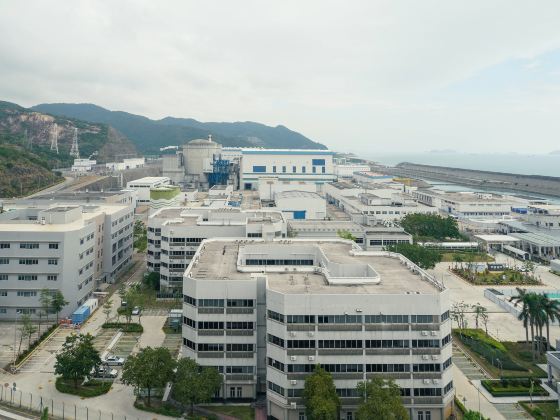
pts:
[149, 135]
[26, 161]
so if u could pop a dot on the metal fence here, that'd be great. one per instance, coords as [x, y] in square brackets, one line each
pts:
[32, 403]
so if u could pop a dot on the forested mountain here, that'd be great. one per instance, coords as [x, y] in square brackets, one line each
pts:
[149, 135]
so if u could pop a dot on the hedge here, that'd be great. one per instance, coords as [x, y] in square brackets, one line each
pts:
[90, 389]
[132, 327]
[513, 387]
[34, 345]
[159, 407]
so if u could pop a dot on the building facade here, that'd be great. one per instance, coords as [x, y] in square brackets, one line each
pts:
[270, 311]
[174, 235]
[143, 185]
[71, 248]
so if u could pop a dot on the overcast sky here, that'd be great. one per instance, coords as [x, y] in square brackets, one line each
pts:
[356, 75]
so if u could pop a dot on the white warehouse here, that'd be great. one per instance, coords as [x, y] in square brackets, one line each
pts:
[143, 185]
[270, 311]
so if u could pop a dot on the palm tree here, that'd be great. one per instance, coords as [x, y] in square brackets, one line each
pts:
[551, 308]
[524, 314]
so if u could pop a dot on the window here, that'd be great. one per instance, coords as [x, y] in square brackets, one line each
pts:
[348, 415]
[25, 311]
[272, 339]
[3, 311]
[3, 277]
[52, 277]
[276, 364]
[239, 325]
[53, 261]
[29, 245]
[314, 169]
[232, 392]
[338, 344]
[303, 169]
[239, 392]
[4, 245]
[210, 347]
[53, 246]
[323, 169]
[386, 319]
[274, 169]
[420, 415]
[240, 303]
[211, 303]
[301, 415]
[4, 260]
[318, 162]
[428, 415]
[26, 293]
[27, 277]
[294, 169]
[259, 168]
[210, 325]
[283, 169]
[339, 319]
[422, 319]
[276, 388]
[3, 293]
[239, 347]
[28, 261]
[302, 344]
[247, 370]
[301, 319]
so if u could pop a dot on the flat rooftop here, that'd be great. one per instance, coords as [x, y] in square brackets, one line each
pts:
[324, 225]
[218, 260]
[148, 180]
[298, 194]
[193, 216]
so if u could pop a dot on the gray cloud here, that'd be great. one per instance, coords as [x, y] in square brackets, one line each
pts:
[355, 74]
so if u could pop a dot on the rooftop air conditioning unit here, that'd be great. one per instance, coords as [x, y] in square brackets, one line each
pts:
[435, 357]
[426, 381]
[293, 358]
[311, 358]
[292, 333]
[436, 381]
[293, 405]
[293, 382]
[434, 332]
[424, 332]
[425, 357]
[310, 333]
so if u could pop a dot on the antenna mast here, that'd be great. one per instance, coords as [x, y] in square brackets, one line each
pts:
[74, 151]
[54, 137]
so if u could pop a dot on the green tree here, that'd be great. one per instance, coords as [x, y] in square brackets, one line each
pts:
[431, 227]
[346, 234]
[152, 280]
[479, 312]
[551, 309]
[45, 299]
[474, 415]
[58, 303]
[150, 368]
[380, 399]
[423, 257]
[320, 397]
[107, 308]
[77, 358]
[194, 384]
[26, 330]
[45, 414]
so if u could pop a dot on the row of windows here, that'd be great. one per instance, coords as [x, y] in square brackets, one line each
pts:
[357, 319]
[219, 303]
[251, 261]
[27, 245]
[29, 261]
[314, 169]
[357, 344]
[380, 242]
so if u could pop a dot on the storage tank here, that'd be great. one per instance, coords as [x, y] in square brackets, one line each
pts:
[198, 152]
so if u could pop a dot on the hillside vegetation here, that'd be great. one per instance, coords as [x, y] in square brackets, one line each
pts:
[149, 135]
[26, 161]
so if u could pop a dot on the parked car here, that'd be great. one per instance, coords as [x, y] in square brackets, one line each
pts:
[123, 303]
[104, 372]
[113, 361]
[136, 311]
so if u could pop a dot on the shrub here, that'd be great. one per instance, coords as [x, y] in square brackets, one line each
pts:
[132, 327]
[90, 389]
[34, 345]
[158, 407]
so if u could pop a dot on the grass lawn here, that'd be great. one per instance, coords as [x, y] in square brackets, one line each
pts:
[513, 387]
[168, 330]
[157, 406]
[515, 357]
[90, 389]
[146, 298]
[541, 410]
[476, 256]
[500, 278]
[241, 412]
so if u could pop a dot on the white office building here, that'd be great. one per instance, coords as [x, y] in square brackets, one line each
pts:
[174, 235]
[288, 165]
[72, 248]
[375, 204]
[268, 312]
[83, 165]
[143, 186]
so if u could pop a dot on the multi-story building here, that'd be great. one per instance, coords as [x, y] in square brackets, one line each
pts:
[174, 235]
[265, 313]
[372, 238]
[72, 248]
[143, 186]
[288, 165]
[373, 205]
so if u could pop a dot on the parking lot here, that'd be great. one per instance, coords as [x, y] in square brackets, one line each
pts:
[10, 335]
[43, 359]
